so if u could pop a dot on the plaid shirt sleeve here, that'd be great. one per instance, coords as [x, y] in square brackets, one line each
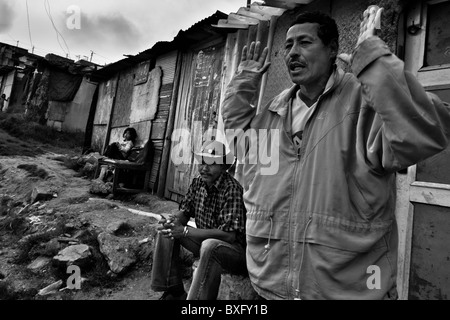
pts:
[188, 203]
[233, 210]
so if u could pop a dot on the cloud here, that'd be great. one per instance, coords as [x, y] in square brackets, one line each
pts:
[110, 30]
[7, 14]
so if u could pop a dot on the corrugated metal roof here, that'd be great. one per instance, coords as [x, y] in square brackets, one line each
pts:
[287, 4]
[247, 16]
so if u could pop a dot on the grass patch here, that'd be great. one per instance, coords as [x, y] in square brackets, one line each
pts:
[18, 126]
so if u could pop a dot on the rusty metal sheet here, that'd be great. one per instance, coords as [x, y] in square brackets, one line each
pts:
[122, 106]
[106, 94]
[145, 96]
[430, 253]
[98, 136]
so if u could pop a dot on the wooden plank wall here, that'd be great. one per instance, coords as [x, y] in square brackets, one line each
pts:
[197, 110]
[167, 63]
[105, 101]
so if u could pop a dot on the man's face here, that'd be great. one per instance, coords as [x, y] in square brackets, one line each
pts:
[210, 172]
[308, 60]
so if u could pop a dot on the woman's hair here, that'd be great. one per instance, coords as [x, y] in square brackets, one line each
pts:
[133, 134]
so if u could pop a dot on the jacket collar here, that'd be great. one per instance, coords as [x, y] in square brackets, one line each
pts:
[281, 104]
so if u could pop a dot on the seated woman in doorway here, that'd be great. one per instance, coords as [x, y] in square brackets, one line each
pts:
[121, 150]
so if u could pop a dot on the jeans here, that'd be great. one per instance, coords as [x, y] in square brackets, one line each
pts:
[215, 255]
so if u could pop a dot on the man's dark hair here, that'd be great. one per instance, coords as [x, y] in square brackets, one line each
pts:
[328, 30]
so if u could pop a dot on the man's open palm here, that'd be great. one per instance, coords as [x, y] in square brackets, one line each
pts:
[252, 60]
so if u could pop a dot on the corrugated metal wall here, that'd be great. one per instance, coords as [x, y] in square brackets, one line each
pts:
[167, 63]
[107, 91]
[197, 110]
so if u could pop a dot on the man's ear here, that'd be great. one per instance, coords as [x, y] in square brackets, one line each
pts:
[334, 48]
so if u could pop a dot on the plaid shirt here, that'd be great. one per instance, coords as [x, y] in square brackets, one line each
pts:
[219, 207]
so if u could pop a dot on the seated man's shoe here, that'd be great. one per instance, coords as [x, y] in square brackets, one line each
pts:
[173, 296]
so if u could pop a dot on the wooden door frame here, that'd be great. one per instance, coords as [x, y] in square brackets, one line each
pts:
[432, 78]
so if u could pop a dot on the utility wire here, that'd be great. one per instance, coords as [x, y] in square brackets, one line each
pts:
[102, 56]
[58, 34]
[29, 29]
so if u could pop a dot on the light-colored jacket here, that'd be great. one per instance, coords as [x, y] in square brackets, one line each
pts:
[323, 226]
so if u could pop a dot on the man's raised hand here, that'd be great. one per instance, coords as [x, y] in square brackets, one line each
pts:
[370, 24]
[252, 60]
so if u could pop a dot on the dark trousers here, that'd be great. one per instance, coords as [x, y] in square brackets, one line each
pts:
[215, 257]
[112, 151]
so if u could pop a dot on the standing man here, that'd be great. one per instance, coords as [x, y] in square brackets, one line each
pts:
[318, 227]
[3, 99]
[215, 200]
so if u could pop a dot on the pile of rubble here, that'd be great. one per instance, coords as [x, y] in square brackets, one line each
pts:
[52, 246]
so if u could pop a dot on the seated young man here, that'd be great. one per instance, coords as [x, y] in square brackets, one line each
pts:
[215, 200]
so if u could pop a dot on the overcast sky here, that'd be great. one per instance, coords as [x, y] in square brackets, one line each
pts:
[109, 28]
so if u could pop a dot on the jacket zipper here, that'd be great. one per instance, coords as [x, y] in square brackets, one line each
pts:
[297, 291]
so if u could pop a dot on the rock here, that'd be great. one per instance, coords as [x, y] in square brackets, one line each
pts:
[41, 195]
[69, 226]
[232, 287]
[79, 255]
[51, 288]
[39, 263]
[120, 253]
[117, 226]
[100, 187]
[83, 236]
[110, 196]
[236, 287]
[51, 247]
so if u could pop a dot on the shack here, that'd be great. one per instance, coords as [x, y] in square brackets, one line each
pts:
[143, 91]
[17, 66]
[415, 31]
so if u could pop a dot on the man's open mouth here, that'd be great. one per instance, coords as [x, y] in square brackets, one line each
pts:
[296, 66]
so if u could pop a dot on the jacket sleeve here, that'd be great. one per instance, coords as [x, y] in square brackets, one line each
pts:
[400, 123]
[237, 110]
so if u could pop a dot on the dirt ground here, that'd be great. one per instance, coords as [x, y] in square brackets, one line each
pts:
[26, 166]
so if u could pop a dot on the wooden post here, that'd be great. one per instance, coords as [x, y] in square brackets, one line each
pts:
[108, 127]
[165, 157]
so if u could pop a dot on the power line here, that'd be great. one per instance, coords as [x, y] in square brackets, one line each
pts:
[58, 34]
[43, 51]
[29, 29]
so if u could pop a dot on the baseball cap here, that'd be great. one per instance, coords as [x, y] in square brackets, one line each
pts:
[213, 151]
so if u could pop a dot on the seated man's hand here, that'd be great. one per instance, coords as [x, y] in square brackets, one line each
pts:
[171, 227]
[173, 233]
